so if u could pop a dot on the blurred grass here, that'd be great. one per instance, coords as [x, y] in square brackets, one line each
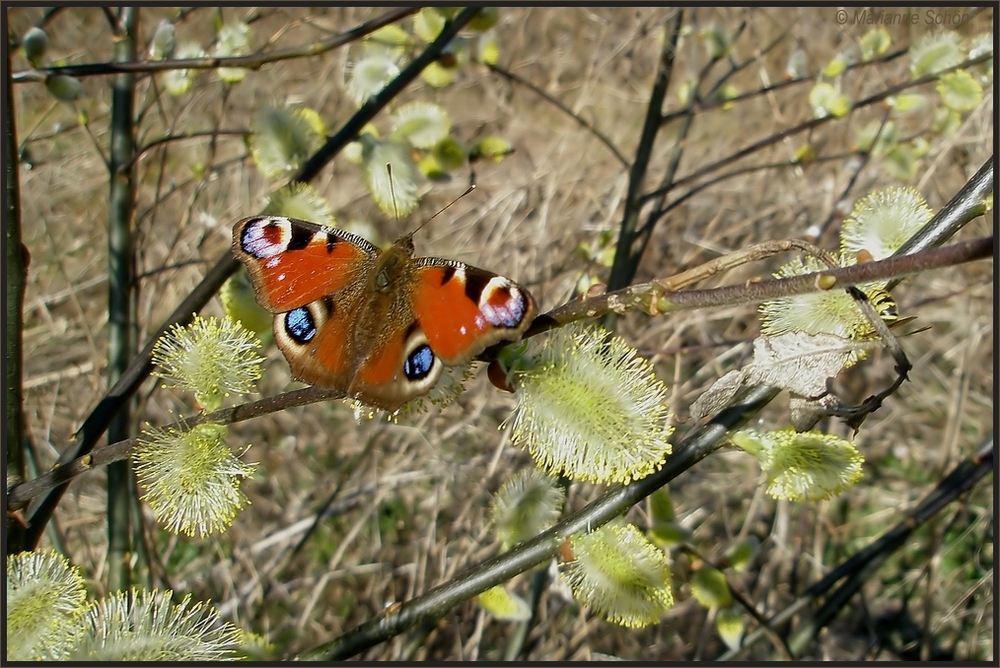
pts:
[414, 496]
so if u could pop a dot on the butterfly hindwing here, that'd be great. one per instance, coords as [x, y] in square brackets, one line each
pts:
[400, 367]
[444, 313]
[313, 338]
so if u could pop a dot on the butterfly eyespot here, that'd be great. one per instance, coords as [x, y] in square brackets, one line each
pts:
[502, 304]
[264, 237]
[419, 363]
[300, 325]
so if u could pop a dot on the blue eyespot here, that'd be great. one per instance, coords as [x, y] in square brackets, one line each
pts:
[299, 325]
[419, 363]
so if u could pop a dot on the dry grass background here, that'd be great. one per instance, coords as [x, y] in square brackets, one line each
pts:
[412, 498]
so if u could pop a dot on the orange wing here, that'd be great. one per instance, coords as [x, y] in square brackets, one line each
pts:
[294, 262]
[464, 310]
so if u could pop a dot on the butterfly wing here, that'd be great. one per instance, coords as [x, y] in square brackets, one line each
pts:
[294, 262]
[312, 278]
[463, 310]
[399, 367]
[378, 325]
[442, 313]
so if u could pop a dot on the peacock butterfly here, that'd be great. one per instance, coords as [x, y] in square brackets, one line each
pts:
[377, 324]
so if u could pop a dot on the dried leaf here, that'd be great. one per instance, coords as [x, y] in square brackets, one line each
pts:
[794, 361]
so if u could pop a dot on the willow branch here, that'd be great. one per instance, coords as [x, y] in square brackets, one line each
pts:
[601, 137]
[543, 547]
[620, 268]
[810, 124]
[18, 496]
[968, 203]
[662, 294]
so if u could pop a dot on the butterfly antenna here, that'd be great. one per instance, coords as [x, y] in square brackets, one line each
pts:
[395, 211]
[444, 208]
[392, 190]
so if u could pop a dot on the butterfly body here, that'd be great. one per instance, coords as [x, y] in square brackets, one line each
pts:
[377, 324]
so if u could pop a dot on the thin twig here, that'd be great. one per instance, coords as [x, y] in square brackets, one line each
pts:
[658, 296]
[705, 105]
[741, 171]
[812, 123]
[251, 62]
[19, 495]
[620, 269]
[645, 232]
[601, 137]
[182, 136]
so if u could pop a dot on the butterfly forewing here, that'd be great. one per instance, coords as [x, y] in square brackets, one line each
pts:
[299, 262]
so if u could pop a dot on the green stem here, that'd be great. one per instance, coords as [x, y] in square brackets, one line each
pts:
[121, 341]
